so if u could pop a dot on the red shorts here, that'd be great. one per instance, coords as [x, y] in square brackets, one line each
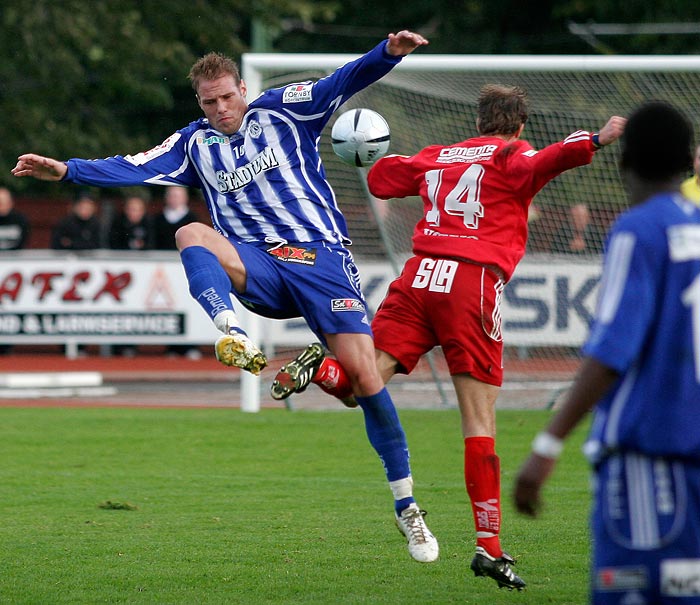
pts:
[448, 303]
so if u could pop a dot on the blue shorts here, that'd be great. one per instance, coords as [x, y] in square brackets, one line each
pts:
[311, 280]
[646, 532]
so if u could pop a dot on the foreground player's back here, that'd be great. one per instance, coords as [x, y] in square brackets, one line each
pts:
[647, 328]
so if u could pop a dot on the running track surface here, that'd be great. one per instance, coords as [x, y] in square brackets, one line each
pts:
[156, 380]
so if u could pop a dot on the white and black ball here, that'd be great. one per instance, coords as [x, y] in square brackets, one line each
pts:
[360, 137]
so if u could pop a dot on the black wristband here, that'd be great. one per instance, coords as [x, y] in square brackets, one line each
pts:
[596, 141]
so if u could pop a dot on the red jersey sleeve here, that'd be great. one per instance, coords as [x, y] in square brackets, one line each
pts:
[530, 170]
[395, 176]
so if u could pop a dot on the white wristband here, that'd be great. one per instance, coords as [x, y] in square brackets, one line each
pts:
[547, 445]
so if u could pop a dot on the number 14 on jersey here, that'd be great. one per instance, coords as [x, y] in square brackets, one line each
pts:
[462, 199]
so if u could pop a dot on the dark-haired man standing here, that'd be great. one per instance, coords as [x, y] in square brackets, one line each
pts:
[641, 373]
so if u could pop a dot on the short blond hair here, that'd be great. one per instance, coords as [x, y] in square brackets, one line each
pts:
[211, 67]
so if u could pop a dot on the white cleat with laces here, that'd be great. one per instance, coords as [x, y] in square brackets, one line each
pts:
[422, 544]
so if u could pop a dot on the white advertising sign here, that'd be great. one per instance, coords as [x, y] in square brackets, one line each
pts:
[132, 298]
[143, 298]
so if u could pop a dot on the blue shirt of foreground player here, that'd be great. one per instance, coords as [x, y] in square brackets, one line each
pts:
[264, 183]
[652, 263]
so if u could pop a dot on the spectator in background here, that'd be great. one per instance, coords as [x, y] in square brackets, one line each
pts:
[14, 232]
[14, 226]
[132, 229]
[536, 231]
[690, 188]
[578, 235]
[80, 229]
[176, 213]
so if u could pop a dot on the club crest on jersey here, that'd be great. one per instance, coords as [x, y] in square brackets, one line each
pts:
[346, 304]
[293, 254]
[254, 130]
[297, 93]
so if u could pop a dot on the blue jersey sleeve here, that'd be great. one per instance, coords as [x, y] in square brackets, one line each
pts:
[628, 298]
[355, 75]
[165, 164]
[315, 102]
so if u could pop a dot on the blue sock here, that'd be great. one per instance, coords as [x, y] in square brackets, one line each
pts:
[209, 284]
[386, 435]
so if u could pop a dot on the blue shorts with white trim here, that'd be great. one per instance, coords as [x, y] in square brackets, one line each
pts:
[646, 531]
[313, 280]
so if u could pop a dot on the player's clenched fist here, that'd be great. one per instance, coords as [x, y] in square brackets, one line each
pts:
[612, 130]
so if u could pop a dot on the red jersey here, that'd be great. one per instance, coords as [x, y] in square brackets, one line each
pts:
[477, 193]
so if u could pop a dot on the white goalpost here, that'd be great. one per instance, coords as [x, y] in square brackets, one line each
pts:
[430, 99]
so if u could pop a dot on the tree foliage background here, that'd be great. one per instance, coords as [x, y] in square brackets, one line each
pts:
[81, 78]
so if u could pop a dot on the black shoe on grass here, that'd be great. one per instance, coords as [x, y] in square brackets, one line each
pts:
[499, 569]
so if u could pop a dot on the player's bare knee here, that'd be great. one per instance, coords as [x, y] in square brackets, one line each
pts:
[365, 381]
[192, 234]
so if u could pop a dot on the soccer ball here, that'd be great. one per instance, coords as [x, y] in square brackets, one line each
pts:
[360, 137]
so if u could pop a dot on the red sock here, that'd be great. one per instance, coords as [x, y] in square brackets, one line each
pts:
[333, 379]
[482, 476]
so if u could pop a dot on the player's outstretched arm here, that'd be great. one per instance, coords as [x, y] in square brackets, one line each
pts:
[592, 382]
[404, 42]
[612, 130]
[40, 167]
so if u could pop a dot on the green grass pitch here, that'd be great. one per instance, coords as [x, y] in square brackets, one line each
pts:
[184, 506]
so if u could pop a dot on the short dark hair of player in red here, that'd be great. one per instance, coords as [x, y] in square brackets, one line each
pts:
[501, 109]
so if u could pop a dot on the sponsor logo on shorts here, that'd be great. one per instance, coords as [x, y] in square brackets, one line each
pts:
[346, 304]
[297, 93]
[292, 254]
[680, 578]
[610, 579]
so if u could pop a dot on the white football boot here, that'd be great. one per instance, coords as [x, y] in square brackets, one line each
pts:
[422, 545]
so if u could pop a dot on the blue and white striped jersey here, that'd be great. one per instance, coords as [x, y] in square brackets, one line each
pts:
[265, 183]
[647, 327]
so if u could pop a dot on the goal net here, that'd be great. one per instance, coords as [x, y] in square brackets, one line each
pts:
[431, 99]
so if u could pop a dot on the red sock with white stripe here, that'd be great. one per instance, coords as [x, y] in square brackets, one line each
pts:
[333, 379]
[482, 477]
